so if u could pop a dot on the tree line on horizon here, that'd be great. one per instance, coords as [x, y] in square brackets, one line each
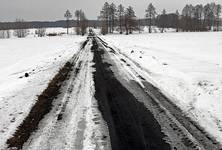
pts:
[124, 20]
[111, 16]
[192, 18]
[20, 26]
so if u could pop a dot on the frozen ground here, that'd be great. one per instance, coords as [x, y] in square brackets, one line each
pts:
[187, 67]
[41, 58]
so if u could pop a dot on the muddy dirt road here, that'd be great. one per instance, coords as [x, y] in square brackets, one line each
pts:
[107, 103]
[138, 109]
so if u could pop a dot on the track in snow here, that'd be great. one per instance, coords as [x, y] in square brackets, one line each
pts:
[107, 104]
[74, 121]
[131, 125]
[180, 131]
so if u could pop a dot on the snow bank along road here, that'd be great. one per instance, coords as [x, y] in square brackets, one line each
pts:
[107, 103]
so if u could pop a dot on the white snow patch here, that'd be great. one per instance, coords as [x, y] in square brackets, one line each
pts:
[187, 67]
[41, 58]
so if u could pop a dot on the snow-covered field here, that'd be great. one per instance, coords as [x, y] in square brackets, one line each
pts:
[187, 67]
[32, 32]
[41, 58]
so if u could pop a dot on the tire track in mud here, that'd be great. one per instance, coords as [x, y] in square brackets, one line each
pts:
[190, 127]
[69, 90]
[74, 121]
[189, 133]
[131, 125]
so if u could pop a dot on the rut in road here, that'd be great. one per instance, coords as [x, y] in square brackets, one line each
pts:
[74, 122]
[66, 113]
[39, 110]
[130, 117]
[182, 132]
[131, 125]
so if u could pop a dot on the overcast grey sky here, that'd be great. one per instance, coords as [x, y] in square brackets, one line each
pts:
[45, 10]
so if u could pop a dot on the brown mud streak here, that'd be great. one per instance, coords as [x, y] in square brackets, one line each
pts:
[41, 108]
[131, 125]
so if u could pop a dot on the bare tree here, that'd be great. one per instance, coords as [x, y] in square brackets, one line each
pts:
[77, 15]
[206, 14]
[185, 14]
[8, 34]
[113, 16]
[162, 20]
[139, 25]
[83, 23]
[213, 19]
[126, 18]
[121, 17]
[177, 20]
[131, 19]
[218, 12]
[67, 15]
[198, 13]
[21, 30]
[4, 34]
[41, 32]
[210, 15]
[150, 15]
[104, 18]
[188, 14]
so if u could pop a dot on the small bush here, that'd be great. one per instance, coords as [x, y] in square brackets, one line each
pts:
[4, 34]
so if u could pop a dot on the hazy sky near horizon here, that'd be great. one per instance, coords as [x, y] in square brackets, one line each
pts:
[51, 10]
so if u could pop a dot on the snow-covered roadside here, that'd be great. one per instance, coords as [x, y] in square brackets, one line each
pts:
[80, 125]
[41, 58]
[187, 67]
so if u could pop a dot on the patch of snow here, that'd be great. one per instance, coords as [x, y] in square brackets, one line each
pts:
[41, 58]
[187, 67]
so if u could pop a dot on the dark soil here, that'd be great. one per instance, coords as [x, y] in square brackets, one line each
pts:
[84, 44]
[39, 110]
[131, 125]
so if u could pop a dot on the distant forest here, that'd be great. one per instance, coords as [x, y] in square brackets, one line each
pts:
[124, 20]
[192, 18]
[44, 24]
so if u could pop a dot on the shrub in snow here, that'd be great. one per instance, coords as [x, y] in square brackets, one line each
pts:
[21, 33]
[21, 28]
[40, 32]
[4, 34]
